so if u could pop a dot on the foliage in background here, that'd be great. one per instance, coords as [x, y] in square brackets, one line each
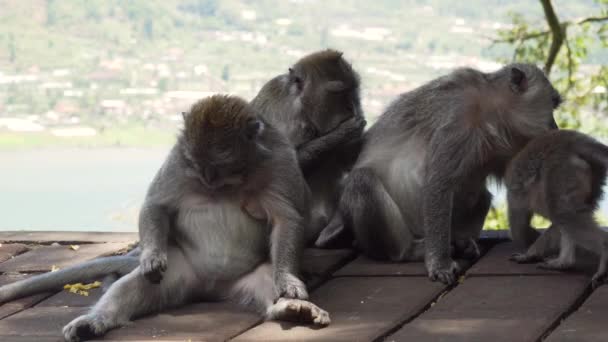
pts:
[563, 48]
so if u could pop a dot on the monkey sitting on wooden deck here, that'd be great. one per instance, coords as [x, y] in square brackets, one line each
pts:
[419, 184]
[223, 218]
[317, 105]
[560, 176]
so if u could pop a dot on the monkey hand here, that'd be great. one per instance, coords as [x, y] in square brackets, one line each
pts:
[153, 264]
[444, 271]
[352, 128]
[289, 286]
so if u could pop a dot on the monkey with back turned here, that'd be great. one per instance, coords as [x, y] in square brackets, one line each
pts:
[560, 176]
[419, 184]
[317, 105]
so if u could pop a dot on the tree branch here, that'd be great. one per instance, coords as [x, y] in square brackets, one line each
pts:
[591, 20]
[570, 62]
[557, 33]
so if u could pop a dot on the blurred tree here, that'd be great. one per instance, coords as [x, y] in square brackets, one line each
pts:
[12, 54]
[562, 46]
[50, 13]
[148, 29]
[226, 73]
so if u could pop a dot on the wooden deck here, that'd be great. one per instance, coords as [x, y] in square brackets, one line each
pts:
[495, 301]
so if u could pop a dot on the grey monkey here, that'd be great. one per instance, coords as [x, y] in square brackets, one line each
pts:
[560, 176]
[419, 184]
[223, 218]
[317, 105]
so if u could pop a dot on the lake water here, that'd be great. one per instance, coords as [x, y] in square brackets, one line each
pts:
[80, 189]
[75, 189]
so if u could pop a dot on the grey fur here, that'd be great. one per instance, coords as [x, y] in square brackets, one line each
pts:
[317, 105]
[324, 121]
[560, 176]
[207, 237]
[419, 182]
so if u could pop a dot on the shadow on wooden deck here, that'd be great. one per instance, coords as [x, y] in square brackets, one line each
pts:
[496, 300]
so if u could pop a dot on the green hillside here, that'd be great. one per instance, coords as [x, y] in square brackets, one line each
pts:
[60, 60]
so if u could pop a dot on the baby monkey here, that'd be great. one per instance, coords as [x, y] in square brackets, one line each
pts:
[560, 176]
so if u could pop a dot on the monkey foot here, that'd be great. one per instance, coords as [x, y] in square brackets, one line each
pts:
[83, 328]
[524, 258]
[446, 275]
[467, 249]
[599, 279]
[301, 311]
[555, 264]
[153, 264]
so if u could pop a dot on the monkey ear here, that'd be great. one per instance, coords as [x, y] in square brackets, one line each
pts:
[519, 81]
[253, 128]
[335, 86]
[184, 114]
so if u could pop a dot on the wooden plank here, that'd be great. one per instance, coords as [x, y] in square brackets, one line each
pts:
[10, 308]
[43, 258]
[496, 309]
[588, 323]
[69, 299]
[38, 322]
[322, 262]
[361, 309]
[363, 266]
[197, 322]
[67, 237]
[10, 250]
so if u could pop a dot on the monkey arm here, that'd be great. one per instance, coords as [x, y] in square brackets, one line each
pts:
[446, 168]
[154, 236]
[310, 152]
[287, 206]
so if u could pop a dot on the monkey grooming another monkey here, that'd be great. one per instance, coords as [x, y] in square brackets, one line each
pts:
[317, 105]
[223, 218]
[560, 176]
[420, 181]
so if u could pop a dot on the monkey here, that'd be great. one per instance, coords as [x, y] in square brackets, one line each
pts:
[419, 183]
[224, 217]
[316, 104]
[559, 175]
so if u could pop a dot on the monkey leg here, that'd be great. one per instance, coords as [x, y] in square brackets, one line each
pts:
[566, 257]
[379, 228]
[600, 277]
[468, 226]
[586, 233]
[519, 221]
[547, 244]
[335, 234]
[256, 289]
[132, 296]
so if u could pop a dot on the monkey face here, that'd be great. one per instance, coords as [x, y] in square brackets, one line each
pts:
[534, 97]
[326, 90]
[220, 142]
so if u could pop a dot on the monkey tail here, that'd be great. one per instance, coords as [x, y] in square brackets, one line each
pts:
[54, 281]
[593, 150]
